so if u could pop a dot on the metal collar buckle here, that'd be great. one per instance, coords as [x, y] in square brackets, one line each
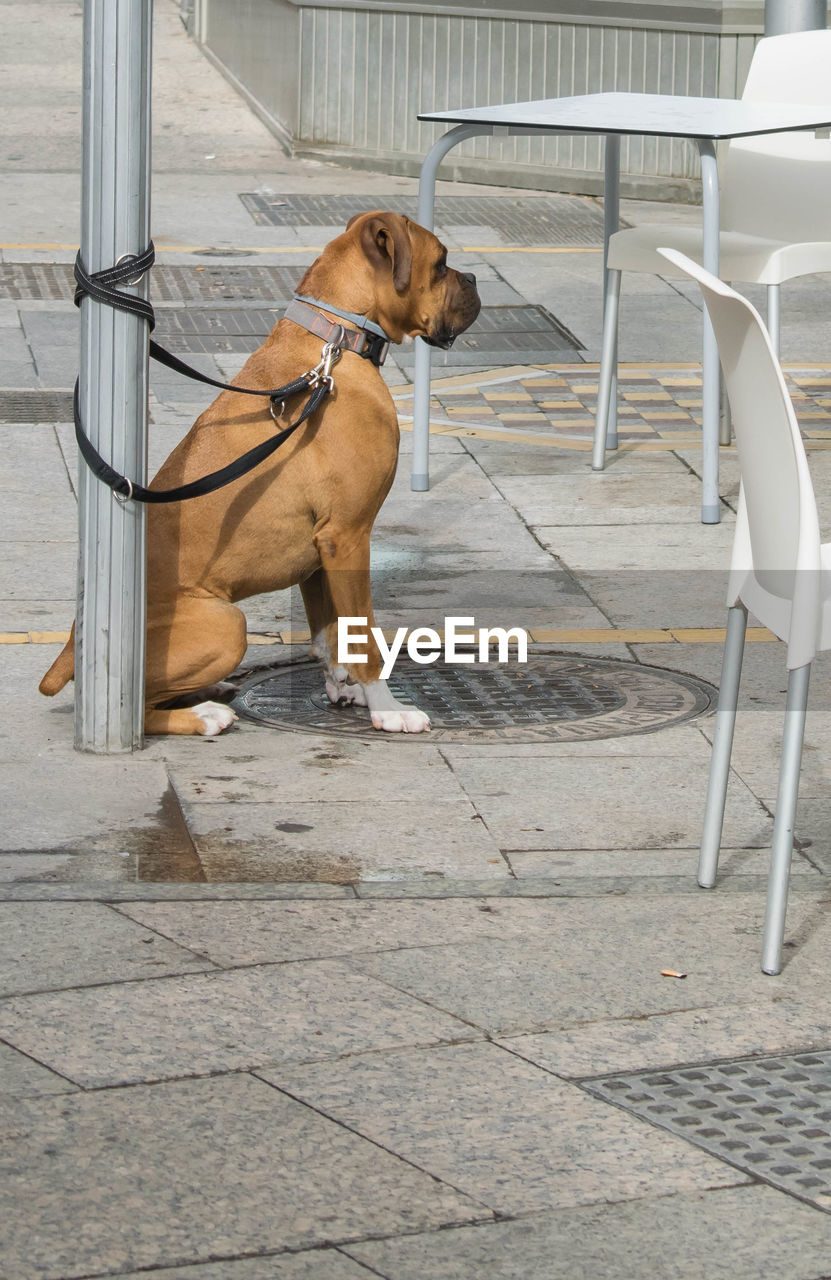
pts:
[329, 356]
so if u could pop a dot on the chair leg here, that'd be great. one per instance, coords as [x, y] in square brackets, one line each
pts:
[603, 436]
[731, 670]
[725, 416]
[774, 323]
[783, 828]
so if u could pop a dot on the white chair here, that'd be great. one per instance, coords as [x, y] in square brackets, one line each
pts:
[775, 200]
[780, 571]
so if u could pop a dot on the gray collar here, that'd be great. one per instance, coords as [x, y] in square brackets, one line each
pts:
[368, 340]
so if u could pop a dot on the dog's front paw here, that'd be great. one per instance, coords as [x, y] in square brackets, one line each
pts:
[342, 691]
[215, 717]
[389, 714]
[401, 719]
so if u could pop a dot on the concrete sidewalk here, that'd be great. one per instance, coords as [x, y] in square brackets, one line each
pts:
[322, 1006]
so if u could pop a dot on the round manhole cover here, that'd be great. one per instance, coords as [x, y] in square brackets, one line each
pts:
[549, 698]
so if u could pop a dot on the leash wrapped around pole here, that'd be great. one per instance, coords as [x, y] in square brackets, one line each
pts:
[318, 382]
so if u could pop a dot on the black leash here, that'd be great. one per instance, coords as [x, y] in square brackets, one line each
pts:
[101, 286]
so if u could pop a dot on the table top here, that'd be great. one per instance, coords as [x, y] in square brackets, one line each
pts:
[653, 114]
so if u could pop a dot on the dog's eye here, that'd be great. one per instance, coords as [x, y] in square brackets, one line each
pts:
[441, 269]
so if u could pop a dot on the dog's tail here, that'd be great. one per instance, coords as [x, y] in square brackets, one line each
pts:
[62, 669]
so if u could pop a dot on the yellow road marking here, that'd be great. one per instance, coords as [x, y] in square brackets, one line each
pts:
[218, 250]
[539, 635]
[523, 248]
[313, 248]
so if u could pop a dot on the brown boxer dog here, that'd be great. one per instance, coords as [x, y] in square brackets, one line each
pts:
[305, 515]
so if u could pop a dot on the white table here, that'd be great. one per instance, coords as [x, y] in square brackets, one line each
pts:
[706, 120]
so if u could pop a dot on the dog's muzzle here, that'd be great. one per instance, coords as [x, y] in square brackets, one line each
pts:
[465, 307]
[444, 341]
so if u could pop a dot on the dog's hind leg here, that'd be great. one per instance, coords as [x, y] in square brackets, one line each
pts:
[189, 648]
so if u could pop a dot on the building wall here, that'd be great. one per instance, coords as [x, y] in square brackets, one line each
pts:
[345, 80]
[256, 44]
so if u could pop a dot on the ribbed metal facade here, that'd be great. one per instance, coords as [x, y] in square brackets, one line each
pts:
[364, 74]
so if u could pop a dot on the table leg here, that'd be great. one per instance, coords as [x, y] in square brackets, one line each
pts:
[605, 424]
[611, 223]
[420, 478]
[710, 505]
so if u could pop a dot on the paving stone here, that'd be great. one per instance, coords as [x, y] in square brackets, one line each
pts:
[21, 1077]
[194, 1026]
[194, 891]
[316, 771]
[33, 468]
[119, 807]
[442, 1111]
[240, 933]
[764, 677]
[313, 1264]
[638, 596]
[140, 1178]
[391, 560]
[614, 803]
[35, 728]
[430, 592]
[17, 373]
[733, 1234]
[446, 520]
[611, 498]
[37, 571]
[57, 519]
[38, 615]
[342, 842]
[686, 741]
[506, 458]
[630, 863]
[813, 825]
[60, 945]
[671, 1039]
[613, 950]
[649, 575]
[757, 750]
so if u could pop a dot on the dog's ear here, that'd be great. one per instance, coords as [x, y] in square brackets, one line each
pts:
[386, 242]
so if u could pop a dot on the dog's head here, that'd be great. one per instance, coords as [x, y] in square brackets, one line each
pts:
[398, 276]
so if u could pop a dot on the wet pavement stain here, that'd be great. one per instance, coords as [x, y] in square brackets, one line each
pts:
[161, 852]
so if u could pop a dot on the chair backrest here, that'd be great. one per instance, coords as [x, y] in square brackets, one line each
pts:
[779, 496]
[779, 185]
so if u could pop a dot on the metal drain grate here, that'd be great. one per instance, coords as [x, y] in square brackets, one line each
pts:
[770, 1117]
[196, 329]
[504, 335]
[22, 281]
[247, 301]
[501, 335]
[37, 280]
[522, 220]
[35, 406]
[551, 698]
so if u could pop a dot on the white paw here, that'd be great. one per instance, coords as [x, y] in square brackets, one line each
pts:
[401, 719]
[215, 717]
[391, 715]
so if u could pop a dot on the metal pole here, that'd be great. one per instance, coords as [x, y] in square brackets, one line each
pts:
[115, 221]
[710, 367]
[784, 16]
[420, 476]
